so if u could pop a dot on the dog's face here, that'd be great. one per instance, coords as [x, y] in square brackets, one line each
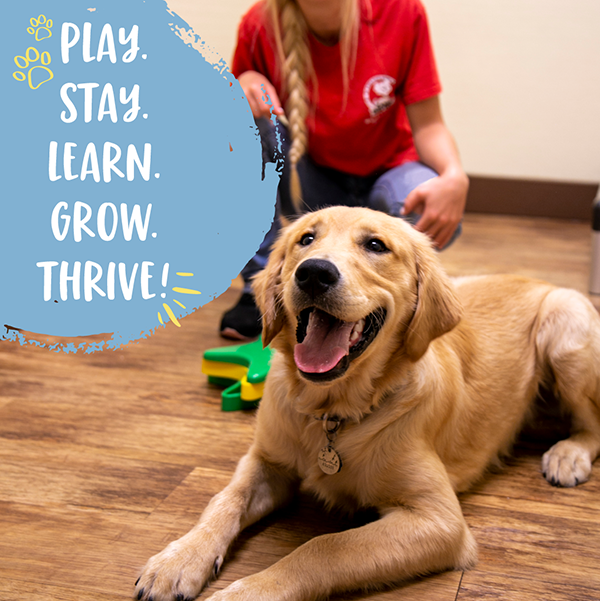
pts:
[343, 284]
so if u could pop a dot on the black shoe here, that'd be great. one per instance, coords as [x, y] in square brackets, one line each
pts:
[242, 322]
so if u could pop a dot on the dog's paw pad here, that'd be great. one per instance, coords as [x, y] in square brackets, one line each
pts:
[566, 464]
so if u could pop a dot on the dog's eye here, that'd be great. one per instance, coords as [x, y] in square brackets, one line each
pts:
[306, 239]
[376, 246]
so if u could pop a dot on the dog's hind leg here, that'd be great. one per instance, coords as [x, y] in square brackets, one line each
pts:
[568, 343]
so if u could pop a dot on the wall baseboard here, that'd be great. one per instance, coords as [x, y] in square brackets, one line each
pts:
[531, 198]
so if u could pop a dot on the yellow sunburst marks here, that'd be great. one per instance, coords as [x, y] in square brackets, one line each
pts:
[171, 315]
[186, 291]
[178, 289]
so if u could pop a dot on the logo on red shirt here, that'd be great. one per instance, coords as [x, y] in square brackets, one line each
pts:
[378, 95]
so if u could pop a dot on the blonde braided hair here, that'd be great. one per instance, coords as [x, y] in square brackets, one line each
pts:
[297, 68]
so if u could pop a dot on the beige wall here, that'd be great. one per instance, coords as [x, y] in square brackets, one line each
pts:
[521, 79]
[215, 21]
[522, 85]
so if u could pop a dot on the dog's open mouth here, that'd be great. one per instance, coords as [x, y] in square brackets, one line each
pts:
[327, 345]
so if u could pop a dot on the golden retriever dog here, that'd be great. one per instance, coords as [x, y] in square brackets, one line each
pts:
[392, 388]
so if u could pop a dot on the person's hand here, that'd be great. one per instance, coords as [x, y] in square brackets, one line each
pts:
[256, 88]
[441, 203]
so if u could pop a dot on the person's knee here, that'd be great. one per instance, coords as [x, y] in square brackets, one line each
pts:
[382, 198]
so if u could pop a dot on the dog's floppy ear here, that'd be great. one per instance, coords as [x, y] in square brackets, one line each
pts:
[267, 288]
[438, 309]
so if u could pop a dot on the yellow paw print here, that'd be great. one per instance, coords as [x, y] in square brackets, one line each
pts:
[35, 73]
[40, 27]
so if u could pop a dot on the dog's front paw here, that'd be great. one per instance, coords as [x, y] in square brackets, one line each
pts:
[179, 572]
[566, 464]
[264, 586]
[237, 591]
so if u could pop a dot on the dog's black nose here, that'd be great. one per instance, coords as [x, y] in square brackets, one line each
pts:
[316, 276]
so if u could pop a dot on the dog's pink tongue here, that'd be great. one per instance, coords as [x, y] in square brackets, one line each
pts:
[325, 343]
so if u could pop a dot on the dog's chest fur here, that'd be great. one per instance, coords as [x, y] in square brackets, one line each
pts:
[296, 439]
[353, 486]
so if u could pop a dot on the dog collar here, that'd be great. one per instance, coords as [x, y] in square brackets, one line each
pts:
[328, 458]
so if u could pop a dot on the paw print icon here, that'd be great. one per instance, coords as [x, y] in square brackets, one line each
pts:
[37, 74]
[41, 28]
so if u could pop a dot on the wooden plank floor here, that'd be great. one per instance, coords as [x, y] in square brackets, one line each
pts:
[105, 458]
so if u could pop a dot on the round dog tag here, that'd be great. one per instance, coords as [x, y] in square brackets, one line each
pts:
[329, 461]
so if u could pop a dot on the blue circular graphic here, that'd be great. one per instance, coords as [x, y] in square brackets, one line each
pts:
[131, 170]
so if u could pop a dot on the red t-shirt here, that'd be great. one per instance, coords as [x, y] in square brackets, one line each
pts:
[395, 66]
